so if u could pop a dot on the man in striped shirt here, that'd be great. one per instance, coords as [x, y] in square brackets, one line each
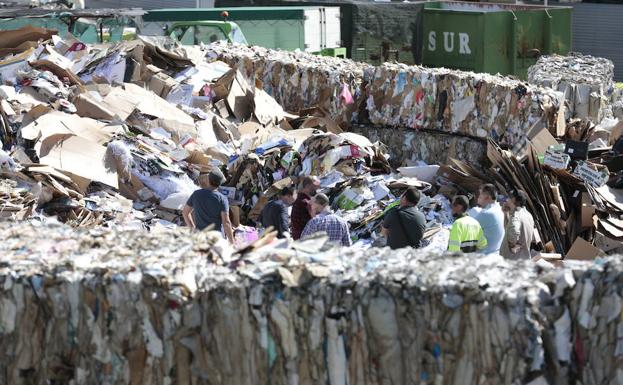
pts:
[325, 220]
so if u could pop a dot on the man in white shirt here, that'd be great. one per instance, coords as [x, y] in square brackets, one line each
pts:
[491, 218]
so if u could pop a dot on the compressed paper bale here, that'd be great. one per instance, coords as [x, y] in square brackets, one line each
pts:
[397, 95]
[457, 102]
[123, 307]
[297, 80]
[575, 68]
[427, 146]
[587, 81]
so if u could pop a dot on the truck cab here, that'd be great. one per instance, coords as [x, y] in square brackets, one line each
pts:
[197, 32]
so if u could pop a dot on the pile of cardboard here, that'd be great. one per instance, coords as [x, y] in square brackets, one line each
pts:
[131, 307]
[122, 133]
[68, 111]
[34, 189]
[146, 119]
[574, 192]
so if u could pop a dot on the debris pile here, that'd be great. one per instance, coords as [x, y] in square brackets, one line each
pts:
[89, 139]
[128, 307]
[586, 81]
[123, 134]
[573, 195]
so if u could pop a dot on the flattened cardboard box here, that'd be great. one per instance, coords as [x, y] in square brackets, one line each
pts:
[583, 250]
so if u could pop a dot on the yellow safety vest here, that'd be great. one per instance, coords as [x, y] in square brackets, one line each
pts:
[466, 235]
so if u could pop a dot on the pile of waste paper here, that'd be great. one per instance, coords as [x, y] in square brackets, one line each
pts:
[118, 306]
[586, 81]
[121, 134]
[574, 189]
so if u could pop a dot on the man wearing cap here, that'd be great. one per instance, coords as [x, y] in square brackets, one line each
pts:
[301, 209]
[466, 235]
[325, 220]
[207, 206]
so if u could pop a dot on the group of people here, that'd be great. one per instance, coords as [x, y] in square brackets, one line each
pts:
[489, 228]
[310, 214]
[310, 211]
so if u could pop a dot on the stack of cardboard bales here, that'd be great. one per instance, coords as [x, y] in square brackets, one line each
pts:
[125, 307]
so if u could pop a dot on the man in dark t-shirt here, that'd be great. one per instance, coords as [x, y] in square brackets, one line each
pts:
[404, 225]
[207, 207]
[275, 213]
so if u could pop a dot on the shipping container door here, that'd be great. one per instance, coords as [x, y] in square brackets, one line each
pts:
[333, 37]
[312, 31]
[598, 31]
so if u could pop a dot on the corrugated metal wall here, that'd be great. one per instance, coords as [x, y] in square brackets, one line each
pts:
[149, 4]
[598, 31]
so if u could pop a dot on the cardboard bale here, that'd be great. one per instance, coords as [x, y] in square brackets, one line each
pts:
[375, 322]
[586, 82]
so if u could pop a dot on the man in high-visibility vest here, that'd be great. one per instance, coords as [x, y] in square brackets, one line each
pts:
[466, 234]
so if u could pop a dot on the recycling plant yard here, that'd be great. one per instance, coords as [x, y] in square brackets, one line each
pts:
[195, 208]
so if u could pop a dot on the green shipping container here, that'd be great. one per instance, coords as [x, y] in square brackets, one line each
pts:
[493, 38]
[372, 32]
[289, 28]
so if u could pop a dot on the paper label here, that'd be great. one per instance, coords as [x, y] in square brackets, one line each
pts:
[595, 178]
[231, 194]
[349, 200]
[556, 160]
